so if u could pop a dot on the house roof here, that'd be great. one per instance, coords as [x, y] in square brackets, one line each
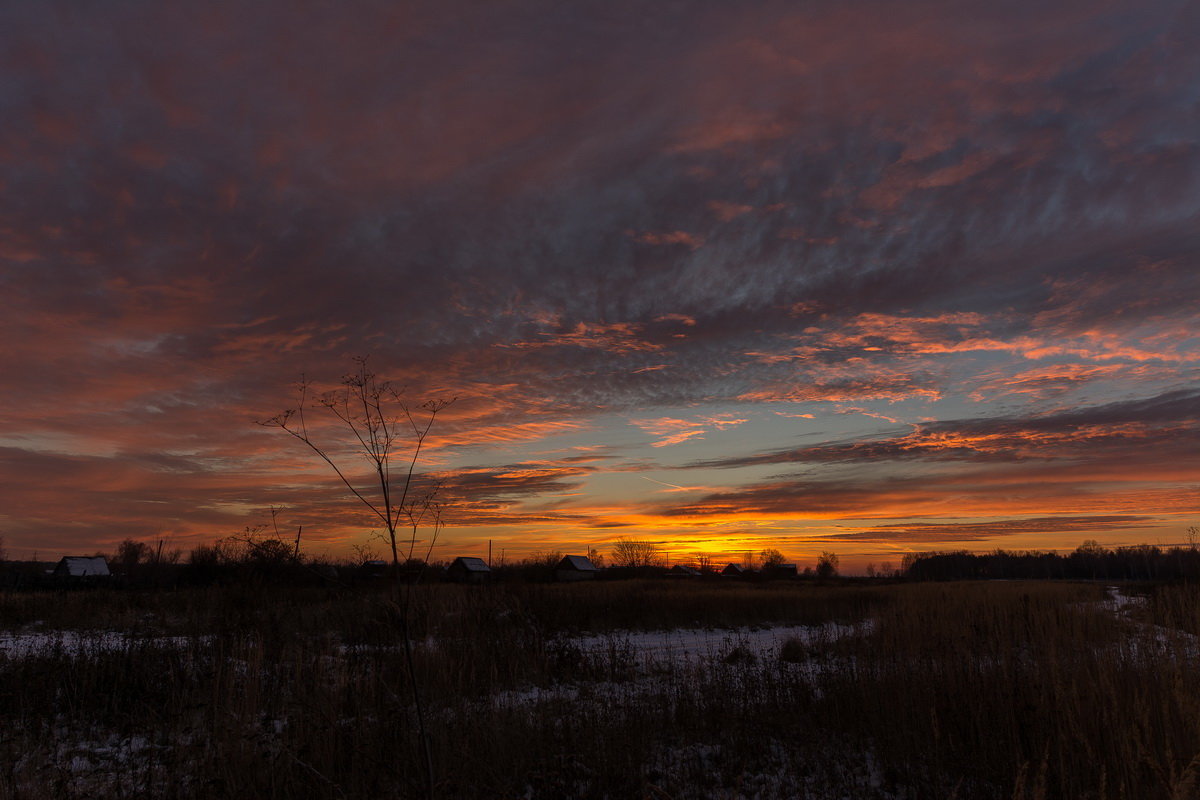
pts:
[472, 564]
[732, 568]
[81, 566]
[579, 563]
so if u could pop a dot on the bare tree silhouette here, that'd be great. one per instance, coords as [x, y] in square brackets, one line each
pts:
[771, 558]
[827, 565]
[391, 434]
[636, 553]
[379, 421]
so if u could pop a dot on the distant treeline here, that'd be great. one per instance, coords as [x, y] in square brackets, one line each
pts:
[239, 560]
[259, 556]
[205, 567]
[1090, 561]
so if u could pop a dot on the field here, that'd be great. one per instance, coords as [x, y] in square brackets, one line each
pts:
[653, 689]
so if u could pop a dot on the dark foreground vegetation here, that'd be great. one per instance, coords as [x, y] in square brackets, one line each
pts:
[1089, 561]
[970, 690]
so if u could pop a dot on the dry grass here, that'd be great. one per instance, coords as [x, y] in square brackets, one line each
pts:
[969, 690]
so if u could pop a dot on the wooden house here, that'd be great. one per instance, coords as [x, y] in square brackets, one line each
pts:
[466, 569]
[576, 568]
[82, 568]
[780, 571]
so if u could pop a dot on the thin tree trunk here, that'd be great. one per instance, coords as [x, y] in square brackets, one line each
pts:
[414, 685]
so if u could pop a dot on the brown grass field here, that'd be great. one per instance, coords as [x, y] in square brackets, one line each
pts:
[968, 690]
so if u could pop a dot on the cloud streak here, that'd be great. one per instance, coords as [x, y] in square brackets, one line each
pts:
[1142, 428]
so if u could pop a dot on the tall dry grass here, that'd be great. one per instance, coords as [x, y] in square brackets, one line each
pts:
[967, 690]
[1025, 690]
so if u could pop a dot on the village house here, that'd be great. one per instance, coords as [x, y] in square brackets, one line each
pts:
[81, 567]
[780, 571]
[576, 568]
[466, 569]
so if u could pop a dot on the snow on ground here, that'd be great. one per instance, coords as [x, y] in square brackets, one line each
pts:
[653, 655]
[818, 771]
[1157, 641]
[688, 645]
[29, 644]
[649, 648]
[1123, 604]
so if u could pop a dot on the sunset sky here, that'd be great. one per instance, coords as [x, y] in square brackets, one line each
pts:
[842, 275]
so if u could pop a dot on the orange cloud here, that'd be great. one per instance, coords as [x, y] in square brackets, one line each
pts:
[727, 212]
[1054, 380]
[676, 431]
[690, 240]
